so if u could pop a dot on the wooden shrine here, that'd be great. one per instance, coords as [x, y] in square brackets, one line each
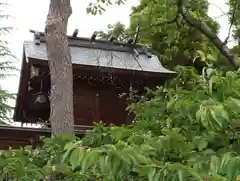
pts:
[102, 70]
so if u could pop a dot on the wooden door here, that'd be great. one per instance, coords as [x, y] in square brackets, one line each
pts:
[94, 104]
[84, 105]
[111, 107]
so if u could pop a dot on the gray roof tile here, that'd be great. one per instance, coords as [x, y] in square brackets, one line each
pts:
[102, 58]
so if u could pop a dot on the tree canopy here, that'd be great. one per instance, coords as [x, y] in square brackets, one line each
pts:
[179, 38]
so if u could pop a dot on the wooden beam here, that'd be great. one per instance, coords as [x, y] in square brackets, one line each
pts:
[21, 136]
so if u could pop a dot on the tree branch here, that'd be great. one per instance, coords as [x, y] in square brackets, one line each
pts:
[230, 27]
[208, 33]
[217, 7]
[219, 16]
[218, 43]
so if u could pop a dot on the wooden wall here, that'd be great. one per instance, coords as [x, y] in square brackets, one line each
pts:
[91, 104]
[94, 101]
[94, 104]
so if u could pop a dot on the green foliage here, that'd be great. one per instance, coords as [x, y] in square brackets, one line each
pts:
[234, 7]
[117, 30]
[99, 6]
[7, 67]
[5, 108]
[176, 43]
[185, 130]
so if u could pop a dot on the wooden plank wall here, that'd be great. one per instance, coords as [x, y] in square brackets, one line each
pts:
[93, 104]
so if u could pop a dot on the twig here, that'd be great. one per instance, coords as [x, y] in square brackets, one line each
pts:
[219, 16]
[230, 27]
[217, 7]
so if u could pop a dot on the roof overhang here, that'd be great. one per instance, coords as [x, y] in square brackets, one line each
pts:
[101, 58]
[22, 88]
[101, 54]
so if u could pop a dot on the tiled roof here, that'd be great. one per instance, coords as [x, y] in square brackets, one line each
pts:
[95, 56]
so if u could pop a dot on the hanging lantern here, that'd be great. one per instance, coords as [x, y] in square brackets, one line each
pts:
[40, 98]
[40, 101]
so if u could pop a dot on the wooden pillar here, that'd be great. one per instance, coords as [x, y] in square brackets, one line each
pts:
[97, 107]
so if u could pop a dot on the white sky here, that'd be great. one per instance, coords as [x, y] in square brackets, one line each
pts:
[31, 14]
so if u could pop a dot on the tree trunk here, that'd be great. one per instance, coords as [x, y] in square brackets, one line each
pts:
[60, 65]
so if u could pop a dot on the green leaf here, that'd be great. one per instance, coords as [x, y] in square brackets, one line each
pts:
[76, 157]
[202, 144]
[235, 101]
[220, 115]
[70, 146]
[186, 169]
[202, 55]
[151, 174]
[211, 57]
[91, 159]
[137, 139]
[171, 102]
[157, 176]
[232, 168]
[125, 157]
[89, 10]
[65, 155]
[63, 168]
[116, 164]
[144, 170]
[214, 164]
[180, 175]
[102, 163]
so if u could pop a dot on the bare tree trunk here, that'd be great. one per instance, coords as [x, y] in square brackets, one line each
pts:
[60, 66]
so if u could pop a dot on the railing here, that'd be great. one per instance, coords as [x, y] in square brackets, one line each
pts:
[77, 128]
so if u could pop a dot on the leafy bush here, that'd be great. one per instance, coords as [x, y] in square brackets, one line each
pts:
[186, 130]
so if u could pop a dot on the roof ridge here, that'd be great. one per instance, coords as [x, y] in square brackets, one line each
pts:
[42, 34]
